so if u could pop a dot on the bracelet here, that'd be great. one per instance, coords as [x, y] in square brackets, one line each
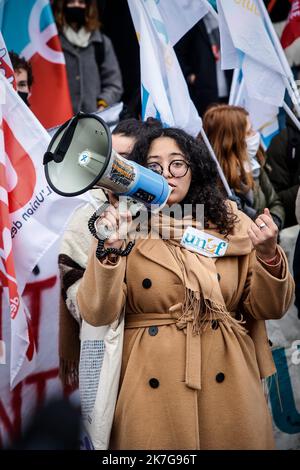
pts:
[271, 260]
[102, 252]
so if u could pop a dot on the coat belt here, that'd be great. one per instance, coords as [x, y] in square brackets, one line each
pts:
[193, 341]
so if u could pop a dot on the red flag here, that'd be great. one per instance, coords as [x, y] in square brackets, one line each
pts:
[29, 29]
[50, 99]
[290, 38]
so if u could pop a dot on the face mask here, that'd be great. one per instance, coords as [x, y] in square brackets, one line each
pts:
[252, 143]
[75, 15]
[252, 147]
[24, 97]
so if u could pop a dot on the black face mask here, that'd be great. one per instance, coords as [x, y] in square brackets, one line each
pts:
[75, 15]
[24, 95]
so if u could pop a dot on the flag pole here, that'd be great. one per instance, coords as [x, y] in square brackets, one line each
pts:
[289, 78]
[204, 136]
[239, 93]
[213, 156]
[290, 113]
[234, 87]
[212, 10]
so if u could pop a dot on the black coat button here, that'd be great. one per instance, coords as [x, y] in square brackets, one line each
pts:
[220, 377]
[215, 324]
[219, 277]
[270, 343]
[147, 283]
[154, 383]
[153, 330]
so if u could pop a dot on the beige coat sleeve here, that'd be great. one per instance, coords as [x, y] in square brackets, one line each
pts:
[102, 291]
[267, 297]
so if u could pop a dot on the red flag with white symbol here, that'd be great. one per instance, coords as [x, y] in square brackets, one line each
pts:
[29, 29]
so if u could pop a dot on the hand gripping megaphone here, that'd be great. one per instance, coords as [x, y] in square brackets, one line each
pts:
[80, 157]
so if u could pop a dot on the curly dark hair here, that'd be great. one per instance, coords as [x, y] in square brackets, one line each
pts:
[135, 128]
[19, 63]
[205, 183]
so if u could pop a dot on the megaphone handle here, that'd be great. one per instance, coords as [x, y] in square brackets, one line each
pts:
[64, 144]
[91, 223]
[102, 252]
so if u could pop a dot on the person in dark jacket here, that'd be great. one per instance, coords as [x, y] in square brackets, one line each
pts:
[283, 167]
[198, 65]
[118, 25]
[237, 147]
[198, 53]
[93, 71]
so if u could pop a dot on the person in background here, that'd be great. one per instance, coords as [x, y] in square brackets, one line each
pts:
[195, 345]
[93, 71]
[237, 148]
[283, 168]
[118, 25]
[198, 53]
[74, 250]
[23, 75]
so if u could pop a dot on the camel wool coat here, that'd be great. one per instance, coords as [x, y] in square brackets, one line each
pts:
[180, 390]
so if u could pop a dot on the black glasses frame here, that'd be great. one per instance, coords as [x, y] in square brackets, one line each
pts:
[169, 168]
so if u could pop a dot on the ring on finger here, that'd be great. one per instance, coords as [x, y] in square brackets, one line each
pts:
[262, 225]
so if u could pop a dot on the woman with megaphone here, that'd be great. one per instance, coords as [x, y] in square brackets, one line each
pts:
[195, 301]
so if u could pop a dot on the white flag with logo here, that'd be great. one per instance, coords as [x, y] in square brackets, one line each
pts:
[245, 44]
[181, 16]
[165, 94]
[31, 217]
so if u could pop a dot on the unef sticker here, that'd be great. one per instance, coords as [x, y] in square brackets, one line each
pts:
[203, 243]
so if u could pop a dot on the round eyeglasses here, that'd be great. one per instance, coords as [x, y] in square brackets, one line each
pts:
[177, 168]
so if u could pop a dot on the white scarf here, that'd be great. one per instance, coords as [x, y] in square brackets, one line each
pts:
[78, 38]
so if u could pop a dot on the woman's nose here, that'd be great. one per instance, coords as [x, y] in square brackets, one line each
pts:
[166, 172]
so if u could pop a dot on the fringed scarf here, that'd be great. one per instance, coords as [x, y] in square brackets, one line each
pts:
[203, 301]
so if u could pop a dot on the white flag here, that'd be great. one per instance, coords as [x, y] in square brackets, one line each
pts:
[245, 44]
[31, 217]
[6, 67]
[180, 16]
[164, 90]
[263, 116]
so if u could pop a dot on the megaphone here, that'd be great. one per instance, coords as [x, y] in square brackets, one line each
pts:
[80, 157]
